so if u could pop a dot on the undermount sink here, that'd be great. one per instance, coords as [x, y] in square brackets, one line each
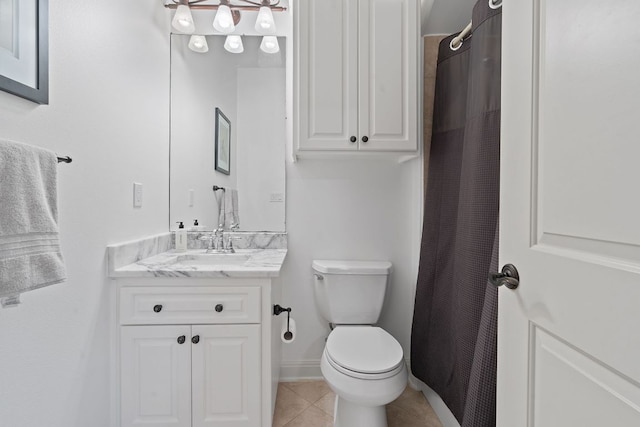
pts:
[212, 259]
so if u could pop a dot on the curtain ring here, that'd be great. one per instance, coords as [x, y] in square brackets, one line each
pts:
[495, 4]
[454, 48]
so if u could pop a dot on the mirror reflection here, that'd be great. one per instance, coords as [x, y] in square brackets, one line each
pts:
[247, 154]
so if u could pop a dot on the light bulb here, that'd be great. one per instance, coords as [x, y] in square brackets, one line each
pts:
[182, 20]
[269, 44]
[265, 23]
[198, 44]
[223, 21]
[233, 44]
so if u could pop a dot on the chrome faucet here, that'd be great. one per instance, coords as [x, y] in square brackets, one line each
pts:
[219, 241]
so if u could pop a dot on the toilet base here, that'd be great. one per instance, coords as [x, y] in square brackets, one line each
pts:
[349, 414]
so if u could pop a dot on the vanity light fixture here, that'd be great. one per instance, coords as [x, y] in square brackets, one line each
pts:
[270, 44]
[182, 20]
[265, 23]
[227, 15]
[223, 21]
[198, 44]
[233, 44]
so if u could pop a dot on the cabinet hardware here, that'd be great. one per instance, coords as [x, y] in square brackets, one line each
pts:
[353, 139]
[219, 308]
[365, 138]
[181, 339]
[157, 308]
[195, 339]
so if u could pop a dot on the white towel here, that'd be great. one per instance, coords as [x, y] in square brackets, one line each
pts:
[30, 256]
[228, 208]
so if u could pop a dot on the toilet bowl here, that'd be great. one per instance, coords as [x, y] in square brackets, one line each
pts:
[364, 366]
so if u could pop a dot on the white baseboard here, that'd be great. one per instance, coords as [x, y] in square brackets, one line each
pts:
[300, 370]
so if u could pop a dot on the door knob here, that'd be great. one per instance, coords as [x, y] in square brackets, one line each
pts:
[181, 339]
[195, 339]
[508, 277]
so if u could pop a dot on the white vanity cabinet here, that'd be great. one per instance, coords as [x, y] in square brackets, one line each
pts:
[195, 352]
[356, 75]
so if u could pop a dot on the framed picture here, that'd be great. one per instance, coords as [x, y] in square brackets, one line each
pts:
[223, 143]
[24, 49]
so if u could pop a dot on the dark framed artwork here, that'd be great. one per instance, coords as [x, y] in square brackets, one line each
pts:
[223, 143]
[24, 49]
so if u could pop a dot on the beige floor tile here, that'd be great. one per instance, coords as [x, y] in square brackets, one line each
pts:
[312, 391]
[311, 417]
[288, 406]
[327, 403]
[397, 417]
[414, 404]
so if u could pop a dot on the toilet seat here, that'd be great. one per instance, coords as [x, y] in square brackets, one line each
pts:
[364, 352]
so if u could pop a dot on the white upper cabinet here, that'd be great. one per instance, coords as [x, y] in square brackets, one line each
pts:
[356, 71]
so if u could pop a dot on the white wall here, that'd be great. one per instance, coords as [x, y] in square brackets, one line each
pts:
[109, 104]
[349, 209]
[446, 16]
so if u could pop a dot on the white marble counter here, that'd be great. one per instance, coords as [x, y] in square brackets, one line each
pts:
[260, 263]
[152, 257]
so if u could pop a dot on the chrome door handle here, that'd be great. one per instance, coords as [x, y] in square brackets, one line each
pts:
[509, 277]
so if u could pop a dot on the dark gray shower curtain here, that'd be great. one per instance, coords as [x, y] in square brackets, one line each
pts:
[454, 333]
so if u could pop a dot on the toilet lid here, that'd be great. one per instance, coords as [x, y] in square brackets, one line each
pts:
[365, 349]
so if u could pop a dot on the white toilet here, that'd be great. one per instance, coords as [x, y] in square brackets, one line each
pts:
[363, 364]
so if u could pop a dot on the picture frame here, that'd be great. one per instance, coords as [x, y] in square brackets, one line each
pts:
[223, 143]
[26, 75]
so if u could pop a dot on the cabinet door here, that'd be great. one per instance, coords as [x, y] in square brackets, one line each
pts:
[226, 376]
[155, 376]
[388, 79]
[327, 73]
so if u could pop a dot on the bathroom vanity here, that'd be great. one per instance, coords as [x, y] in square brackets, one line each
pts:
[197, 342]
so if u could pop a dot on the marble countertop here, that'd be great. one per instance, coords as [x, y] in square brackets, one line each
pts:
[260, 263]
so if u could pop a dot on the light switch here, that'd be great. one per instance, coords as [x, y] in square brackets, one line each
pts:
[137, 195]
[276, 198]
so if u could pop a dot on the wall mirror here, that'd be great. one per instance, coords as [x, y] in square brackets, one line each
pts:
[250, 89]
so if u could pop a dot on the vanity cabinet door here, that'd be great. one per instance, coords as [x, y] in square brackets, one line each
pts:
[226, 375]
[155, 375]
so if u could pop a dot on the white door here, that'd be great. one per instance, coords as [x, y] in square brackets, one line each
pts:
[569, 335]
[327, 74]
[155, 376]
[388, 84]
[226, 375]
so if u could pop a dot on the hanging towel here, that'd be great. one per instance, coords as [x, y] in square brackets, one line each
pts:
[231, 216]
[30, 256]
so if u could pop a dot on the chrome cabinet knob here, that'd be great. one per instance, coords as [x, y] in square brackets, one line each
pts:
[195, 339]
[181, 339]
[157, 308]
[219, 308]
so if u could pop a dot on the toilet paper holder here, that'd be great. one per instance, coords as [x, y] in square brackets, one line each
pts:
[278, 310]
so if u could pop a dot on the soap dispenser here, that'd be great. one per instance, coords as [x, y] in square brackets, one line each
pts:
[181, 238]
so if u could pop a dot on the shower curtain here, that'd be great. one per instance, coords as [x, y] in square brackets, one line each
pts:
[453, 338]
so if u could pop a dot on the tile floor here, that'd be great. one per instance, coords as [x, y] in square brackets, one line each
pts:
[310, 404]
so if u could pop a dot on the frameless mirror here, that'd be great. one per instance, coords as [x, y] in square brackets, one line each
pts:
[248, 88]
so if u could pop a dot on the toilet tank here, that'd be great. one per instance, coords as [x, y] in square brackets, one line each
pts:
[350, 292]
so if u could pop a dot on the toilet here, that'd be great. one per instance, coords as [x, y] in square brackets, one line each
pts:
[362, 363]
